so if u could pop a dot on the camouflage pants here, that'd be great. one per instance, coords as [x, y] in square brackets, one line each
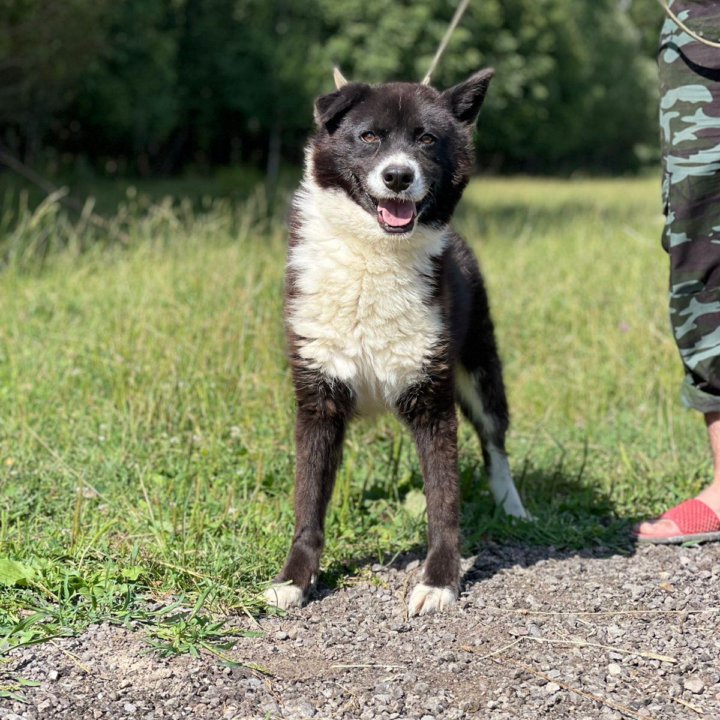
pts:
[690, 134]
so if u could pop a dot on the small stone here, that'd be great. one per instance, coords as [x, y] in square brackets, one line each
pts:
[551, 688]
[694, 685]
[129, 708]
[271, 708]
[303, 709]
[614, 669]
[399, 627]
[435, 705]
[53, 675]
[470, 706]
[533, 630]
[280, 635]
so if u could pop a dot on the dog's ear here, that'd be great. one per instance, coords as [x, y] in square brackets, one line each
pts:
[466, 98]
[330, 109]
[340, 80]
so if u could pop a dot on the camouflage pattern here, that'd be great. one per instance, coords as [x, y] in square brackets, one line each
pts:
[690, 135]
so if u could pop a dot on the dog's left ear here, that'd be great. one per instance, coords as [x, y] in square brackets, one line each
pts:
[330, 109]
[466, 98]
[339, 78]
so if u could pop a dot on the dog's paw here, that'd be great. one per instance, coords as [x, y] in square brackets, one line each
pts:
[284, 596]
[515, 508]
[426, 599]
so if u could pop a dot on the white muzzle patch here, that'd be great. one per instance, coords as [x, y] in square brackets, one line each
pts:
[379, 190]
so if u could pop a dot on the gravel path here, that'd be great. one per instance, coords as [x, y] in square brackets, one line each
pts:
[536, 634]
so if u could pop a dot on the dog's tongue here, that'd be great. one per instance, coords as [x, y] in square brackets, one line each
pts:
[396, 213]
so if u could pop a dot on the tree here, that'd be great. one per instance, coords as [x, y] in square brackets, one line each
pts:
[128, 100]
[45, 49]
[167, 83]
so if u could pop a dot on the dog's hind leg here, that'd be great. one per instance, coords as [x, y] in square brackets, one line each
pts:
[486, 408]
[481, 394]
[323, 412]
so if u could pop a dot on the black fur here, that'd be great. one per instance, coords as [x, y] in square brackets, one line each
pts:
[400, 112]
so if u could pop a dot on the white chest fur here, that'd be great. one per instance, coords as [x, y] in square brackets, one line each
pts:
[362, 305]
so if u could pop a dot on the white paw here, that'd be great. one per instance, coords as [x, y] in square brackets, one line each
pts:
[515, 508]
[426, 599]
[284, 596]
[502, 485]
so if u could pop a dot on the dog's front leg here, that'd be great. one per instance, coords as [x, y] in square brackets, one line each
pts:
[319, 433]
[433, 423]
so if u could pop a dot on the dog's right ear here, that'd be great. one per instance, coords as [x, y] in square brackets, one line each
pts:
[330, 109]
[465, 99]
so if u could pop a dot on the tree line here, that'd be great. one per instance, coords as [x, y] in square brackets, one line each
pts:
[157, 86]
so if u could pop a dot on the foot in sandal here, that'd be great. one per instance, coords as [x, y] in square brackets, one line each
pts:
[694, 520]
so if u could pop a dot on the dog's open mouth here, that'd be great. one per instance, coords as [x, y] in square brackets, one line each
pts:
[395, 215]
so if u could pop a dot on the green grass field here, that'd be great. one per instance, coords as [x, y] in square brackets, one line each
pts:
[146, 413]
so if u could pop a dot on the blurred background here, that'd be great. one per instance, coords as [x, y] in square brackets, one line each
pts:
[98, 90]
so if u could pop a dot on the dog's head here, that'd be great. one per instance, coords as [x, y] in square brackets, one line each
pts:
[403, 152]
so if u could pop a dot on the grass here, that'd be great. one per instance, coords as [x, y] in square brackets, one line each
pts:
[146, 413]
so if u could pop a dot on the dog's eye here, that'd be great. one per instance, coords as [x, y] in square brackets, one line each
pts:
[426, 139]
[370, 137]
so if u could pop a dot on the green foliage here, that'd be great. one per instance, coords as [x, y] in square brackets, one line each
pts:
[13, 573]
[13, 690]
[130, 93]
[156, 85]
[173, 631]
[573, 89]
[45, 49]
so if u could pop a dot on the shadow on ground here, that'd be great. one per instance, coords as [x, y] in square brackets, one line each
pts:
[573, 518]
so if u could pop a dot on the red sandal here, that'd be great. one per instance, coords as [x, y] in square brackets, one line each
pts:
[695, 521]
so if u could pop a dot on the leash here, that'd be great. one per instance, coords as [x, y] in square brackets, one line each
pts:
[446, 39]
[683, 26]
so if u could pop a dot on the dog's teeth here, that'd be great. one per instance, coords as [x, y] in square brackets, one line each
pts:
[427, 599]
[284, 596]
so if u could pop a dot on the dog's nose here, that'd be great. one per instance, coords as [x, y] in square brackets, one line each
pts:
[398, 177]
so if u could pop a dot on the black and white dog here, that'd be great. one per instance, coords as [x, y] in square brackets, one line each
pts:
[386, 309]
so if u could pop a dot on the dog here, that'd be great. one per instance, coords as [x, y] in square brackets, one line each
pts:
[386, 309]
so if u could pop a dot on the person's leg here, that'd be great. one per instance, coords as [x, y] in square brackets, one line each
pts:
[690, 134]
[665, 527]
[712, 493]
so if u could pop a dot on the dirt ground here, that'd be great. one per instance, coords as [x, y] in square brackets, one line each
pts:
[535, 634]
